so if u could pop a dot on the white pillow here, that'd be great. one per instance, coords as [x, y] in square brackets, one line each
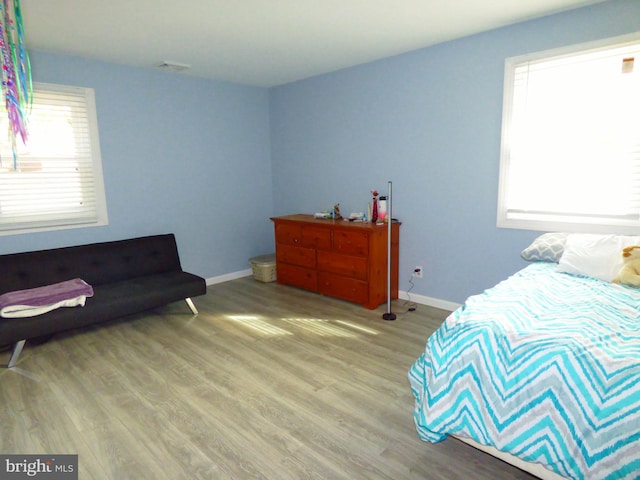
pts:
[592, 255]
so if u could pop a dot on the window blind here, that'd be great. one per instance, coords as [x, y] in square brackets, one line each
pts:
[571, 139]
[56, 179]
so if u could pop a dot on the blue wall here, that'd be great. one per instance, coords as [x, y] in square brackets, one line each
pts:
[179, 154]
[430, 121]
[211, 161]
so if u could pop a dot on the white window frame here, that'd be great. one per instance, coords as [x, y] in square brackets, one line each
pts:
[89, 214]
[540, 221]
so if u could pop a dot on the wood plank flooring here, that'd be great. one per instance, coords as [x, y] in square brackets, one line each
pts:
[267, 382]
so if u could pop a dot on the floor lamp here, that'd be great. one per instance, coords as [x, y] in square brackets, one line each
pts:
[389, 315]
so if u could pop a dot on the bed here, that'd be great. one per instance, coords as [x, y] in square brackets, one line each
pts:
[543, 369]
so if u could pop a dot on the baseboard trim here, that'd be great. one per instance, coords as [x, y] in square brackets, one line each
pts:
[430, 301]
[229, 276]
[421, 299]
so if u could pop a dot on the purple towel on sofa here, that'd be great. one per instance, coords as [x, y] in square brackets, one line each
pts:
[36, 301]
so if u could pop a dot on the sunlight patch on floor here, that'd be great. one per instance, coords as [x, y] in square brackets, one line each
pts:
[355, 326]
[259, 325]
[319, 326]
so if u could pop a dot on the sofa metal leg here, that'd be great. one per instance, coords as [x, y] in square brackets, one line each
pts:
[191, 305]
[17, 349]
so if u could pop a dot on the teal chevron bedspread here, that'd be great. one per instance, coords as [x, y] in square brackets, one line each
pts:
[545, 366]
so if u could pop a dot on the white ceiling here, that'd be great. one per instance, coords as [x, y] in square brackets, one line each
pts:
[263, 42]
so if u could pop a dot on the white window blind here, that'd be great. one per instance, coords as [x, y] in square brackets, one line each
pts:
[571, 140]
[56, 181]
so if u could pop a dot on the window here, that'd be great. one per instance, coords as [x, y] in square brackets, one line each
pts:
[55, 181]
[570, 158]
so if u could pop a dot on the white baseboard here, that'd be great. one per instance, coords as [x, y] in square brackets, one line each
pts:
[229, 276]
[421, 299]
[432, 302]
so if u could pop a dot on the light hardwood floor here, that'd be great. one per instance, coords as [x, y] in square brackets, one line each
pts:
[266, 382]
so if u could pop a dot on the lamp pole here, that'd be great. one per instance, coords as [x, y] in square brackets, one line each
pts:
[389, 315]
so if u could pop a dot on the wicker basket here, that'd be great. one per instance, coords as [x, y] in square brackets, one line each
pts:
[264, 267]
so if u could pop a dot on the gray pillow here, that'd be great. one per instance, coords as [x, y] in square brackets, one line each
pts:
[548, 247]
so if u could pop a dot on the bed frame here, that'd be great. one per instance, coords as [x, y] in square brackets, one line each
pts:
[532, 468]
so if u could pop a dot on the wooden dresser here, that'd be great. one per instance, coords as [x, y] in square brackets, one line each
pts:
[347, 260]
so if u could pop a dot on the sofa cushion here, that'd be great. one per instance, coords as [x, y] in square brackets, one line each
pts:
[109, 301]
[97, 263]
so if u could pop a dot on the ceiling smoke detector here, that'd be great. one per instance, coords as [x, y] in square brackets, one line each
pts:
[172, 66]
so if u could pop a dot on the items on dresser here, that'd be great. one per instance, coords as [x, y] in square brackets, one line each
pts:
[342, 259]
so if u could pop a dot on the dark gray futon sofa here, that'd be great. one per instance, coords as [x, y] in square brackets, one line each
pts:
[127, 276]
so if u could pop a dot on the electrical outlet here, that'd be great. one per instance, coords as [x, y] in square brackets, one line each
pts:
[417, 272]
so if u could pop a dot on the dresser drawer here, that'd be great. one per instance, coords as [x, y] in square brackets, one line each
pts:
[304, 257]
[353, 243]
[297, 276]
[316, 237]
[347, 260]
[346, 288]
[347, 265]
[289, 234]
